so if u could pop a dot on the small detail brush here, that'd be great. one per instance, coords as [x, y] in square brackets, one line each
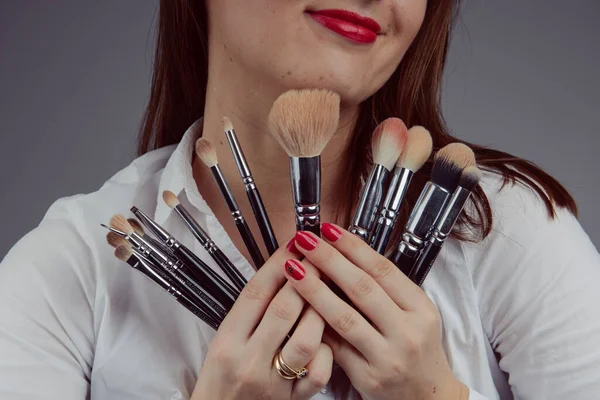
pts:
[416, 151]
[125, 254]
[178, 248]
[208, 155]
[303, 122]
[448, 165]
[177, 269]
[468, 181]
[200, 271]
[258, 208]
[387, 145]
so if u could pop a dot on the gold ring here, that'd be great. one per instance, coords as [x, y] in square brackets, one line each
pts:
[287, 372]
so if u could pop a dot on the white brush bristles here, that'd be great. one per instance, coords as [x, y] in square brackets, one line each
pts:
[388, 142]
[123, 253]
[470, 177]
[170, 198]
[303, 121]
[120, 223]
[457, 154]
[227, 125]
[417, 149]
[206, 152]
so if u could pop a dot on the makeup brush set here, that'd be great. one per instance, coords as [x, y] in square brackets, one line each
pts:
[303, 122]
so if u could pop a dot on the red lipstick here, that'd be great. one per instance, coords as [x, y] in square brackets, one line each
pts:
[348, 24]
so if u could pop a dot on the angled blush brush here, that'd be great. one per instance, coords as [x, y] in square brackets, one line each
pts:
[387, 145]
[258, 208]
[468, 181]
[208, 155]
[448, 165]
[416, 151]
[303, 122]
[200, 234]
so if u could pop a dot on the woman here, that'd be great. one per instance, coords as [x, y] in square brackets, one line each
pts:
[510, 310]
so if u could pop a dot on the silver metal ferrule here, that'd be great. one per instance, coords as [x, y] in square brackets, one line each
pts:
[155, 228]
[398, 187]
[423, 218]
[305, 175]
[149, 268]
[238, 154]
[368, 205]
[450, 215]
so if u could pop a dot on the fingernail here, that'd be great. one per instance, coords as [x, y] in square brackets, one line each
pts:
[291, 247]
[305, 241]
[294, 269]
[330, 232]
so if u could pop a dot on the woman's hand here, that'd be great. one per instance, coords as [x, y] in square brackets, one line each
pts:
[399, 354]
[239, 363]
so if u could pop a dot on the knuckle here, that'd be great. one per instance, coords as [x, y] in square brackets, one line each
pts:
[222, 353]
[413, 346]
[318, 379]
[346, 322]
[327, 255]
[304, 349]
[382, 268]
[282, 311]
[253, 292]
[363, 287]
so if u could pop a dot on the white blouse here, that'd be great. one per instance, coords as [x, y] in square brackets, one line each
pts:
[520, 311]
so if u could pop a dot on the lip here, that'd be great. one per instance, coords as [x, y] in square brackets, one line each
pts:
[351, 25]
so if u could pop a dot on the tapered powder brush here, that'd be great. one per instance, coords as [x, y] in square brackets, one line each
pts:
[468, 181]
[303, 122]
[448, 165]
[125, 254]
[258, 208]
[175, 268]
[200, 234]
[416, 152]
[387, 144]
[208, 155]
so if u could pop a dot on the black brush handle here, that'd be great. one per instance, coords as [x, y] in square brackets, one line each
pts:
[316, 229]
[207, 278]
[250, 243]
[381, 237]
[425, 264]
[239, 281]
[197, 311]
[404, 262]
[262, 218]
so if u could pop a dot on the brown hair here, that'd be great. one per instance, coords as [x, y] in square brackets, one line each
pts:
[412, 93]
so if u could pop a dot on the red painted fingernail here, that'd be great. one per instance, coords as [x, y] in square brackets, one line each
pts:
[331, 232]
[305, 241]
[291, 247]
[294, 269]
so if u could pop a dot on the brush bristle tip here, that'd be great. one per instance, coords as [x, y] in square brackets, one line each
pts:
[417, 149]
[206, 152]
[388, 142]
[170, 199]
[227, 125]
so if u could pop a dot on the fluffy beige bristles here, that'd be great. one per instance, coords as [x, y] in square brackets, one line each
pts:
[303, 121]
[170, 198]
[417, 149]
[120, 223]
[137, 227]
[470, 177]
[388, 142]
[206, 152]
[115, 240]
[227, 125]
[123, 252]
[458, 154]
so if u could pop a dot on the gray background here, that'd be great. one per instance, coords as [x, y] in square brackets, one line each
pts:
[74, 78]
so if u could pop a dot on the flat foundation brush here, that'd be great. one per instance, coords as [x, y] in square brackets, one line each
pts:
[200, 234]
[201, 272]
[387, 145]
[258, 208]
[208, 155]
[448, 165]
[468, 181]
[303, 122]
[125, 254]
[175, 268]
[416, 151]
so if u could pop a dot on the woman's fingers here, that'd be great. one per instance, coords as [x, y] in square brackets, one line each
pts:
[346, 356]
[305, 340]
[319, 372]
[336, 312]
[249, 308]
[399, 288]
[359, 286]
